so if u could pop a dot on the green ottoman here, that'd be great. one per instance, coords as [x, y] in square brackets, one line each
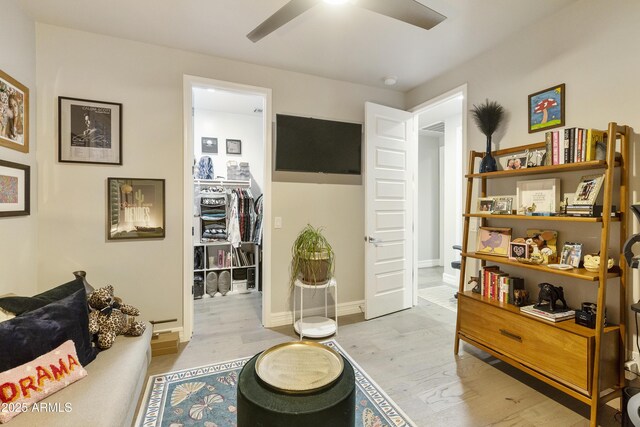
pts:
[260, 406]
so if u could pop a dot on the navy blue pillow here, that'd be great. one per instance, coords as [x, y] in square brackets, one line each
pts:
[19, 305]
[37, 332]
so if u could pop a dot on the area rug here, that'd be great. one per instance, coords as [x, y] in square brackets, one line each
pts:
[206, 396]
[440, 295]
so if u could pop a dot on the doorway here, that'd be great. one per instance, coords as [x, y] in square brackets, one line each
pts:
[441, 127]
[227, 198]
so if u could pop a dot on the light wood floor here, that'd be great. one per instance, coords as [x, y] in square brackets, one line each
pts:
[409, 354]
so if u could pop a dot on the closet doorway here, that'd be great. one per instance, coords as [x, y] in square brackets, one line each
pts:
[227, 183]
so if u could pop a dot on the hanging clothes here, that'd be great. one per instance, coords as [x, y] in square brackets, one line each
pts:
[205, 168]
[233, 224]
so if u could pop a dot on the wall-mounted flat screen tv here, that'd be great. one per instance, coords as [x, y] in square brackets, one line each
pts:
[304, 144]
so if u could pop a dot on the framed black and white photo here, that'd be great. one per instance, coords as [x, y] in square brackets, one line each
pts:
[14, 189]
[234, 146]
[136, 208]
[14, 114]
[89, 131]
[209, 145]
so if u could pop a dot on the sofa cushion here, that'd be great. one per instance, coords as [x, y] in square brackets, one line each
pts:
[39, 331]
[18, 305]
[31, 382]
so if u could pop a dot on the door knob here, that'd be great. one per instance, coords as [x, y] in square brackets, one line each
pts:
[372, 240]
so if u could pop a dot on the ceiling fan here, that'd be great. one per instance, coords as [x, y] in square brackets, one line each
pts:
[409, 11]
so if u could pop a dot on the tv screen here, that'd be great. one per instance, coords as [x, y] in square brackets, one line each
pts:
[304, 144]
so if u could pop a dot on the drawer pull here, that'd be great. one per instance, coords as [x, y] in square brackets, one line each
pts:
[511, 335]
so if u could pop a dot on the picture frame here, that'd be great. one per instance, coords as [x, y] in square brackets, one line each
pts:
[14, 114]
[209, 145]
[571, 254]
[135, 208]
[536, 158]
[89, 131]
[15, 189]
[493, 241]
[538, 196]
[516, 162]
[546, 108]
[545, 243]
[502, 205]
[588, 189]
[234, 146]
[518, 250]
[485, 204]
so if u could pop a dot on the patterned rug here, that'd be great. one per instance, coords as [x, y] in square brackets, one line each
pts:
[206, 396]
[440, 295]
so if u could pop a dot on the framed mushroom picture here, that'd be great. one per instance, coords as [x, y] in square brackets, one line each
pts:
[546, 109]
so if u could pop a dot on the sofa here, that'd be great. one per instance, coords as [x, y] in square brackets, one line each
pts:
[107, 396]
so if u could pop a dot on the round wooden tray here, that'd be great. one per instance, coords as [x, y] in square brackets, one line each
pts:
[299, 367]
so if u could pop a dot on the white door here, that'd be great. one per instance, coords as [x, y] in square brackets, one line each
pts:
[390, 142]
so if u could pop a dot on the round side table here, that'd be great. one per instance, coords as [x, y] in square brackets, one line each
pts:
[316, 326]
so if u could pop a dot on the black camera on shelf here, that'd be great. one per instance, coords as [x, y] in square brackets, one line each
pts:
[587, 315]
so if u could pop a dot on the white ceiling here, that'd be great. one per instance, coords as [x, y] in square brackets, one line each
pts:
[340, 42]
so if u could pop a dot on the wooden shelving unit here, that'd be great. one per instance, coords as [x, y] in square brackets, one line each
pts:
[593, 369]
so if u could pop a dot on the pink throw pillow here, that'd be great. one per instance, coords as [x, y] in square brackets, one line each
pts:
[27, 384]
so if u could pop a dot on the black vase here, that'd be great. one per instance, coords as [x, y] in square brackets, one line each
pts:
[488, 163]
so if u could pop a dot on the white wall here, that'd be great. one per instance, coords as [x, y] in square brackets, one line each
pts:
[72, 197]
[597, 59]
[428, 201]
[222, 125]
[18, 235]
[452, 214]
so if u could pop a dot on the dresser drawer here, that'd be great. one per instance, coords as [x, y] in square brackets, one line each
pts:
[557, 353]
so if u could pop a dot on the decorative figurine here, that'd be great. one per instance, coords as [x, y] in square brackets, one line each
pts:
[520, 297]
[551, 293]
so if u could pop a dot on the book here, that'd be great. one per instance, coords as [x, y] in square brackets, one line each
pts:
[548, 140]
[593, 137]
[584, 145]
[567, 141]
[556, 147]
[544, 312]
[578, 155]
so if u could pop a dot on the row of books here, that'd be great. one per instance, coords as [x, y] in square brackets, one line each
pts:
[242, 258]
[498, 285]
[543, 311]
[572, 145]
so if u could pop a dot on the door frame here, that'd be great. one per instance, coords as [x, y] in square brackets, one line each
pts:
[417, 110]
[189, 82]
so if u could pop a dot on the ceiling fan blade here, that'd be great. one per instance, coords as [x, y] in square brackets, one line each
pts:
[409, 11]
[285, 14]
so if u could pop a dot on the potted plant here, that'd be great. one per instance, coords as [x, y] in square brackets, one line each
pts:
[312, 257]
[488, 117]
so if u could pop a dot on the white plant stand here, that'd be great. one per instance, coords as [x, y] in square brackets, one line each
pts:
[316, 326]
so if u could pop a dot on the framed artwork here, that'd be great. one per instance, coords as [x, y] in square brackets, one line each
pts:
[518, 250]
[588, 190]
[571, 254]
[135, 208]
[209, 145]
[538, 196]
[14, 189]
[89, 131]
[517, 162]
[493, 241]
[14, 114]
[546, 109]
[234, 146]
[485, 204]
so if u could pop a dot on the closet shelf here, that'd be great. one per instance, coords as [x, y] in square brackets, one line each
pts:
[223, 182]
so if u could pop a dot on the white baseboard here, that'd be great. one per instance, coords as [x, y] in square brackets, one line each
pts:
[428, 263]
[450, 279]
[284, 318]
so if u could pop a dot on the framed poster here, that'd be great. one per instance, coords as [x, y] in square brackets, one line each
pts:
[14, 114]
[588, 189]
[493, 241]
[14, 189]
[234, 146]
[538, 196]
[209, 145]
[546, 109]
[135, 208]
[89, 131]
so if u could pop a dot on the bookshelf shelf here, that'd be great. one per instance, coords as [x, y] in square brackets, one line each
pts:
[592, 369]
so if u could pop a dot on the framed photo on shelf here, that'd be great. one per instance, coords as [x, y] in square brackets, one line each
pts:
[518, 161]
[538, 196]
[571, 254]
[209, 145]
[518, 250]
[14, 114]
[485, 204]
[493, 241]
[136, 208]
[14, 189]
[234, 146]
[546, 109]
[588, 190]
[89, 131]
[536, 158]
[502, 205]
